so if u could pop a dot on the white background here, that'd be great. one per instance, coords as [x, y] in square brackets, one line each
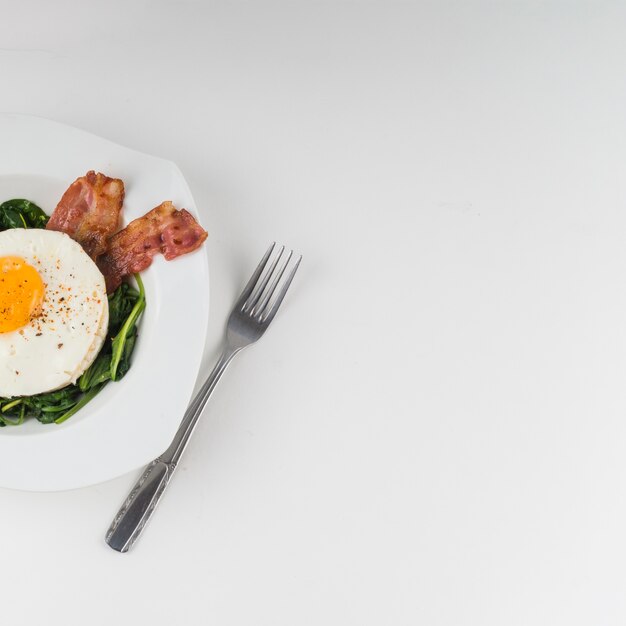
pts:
[434, 431]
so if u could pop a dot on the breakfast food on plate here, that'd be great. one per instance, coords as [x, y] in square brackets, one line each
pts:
[90, 211]
[165, 229]
[62, 338]
[53, 311]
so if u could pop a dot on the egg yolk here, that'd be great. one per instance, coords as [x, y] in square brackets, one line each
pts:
[21, 293]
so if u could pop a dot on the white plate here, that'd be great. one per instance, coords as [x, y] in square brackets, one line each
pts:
[132, 421]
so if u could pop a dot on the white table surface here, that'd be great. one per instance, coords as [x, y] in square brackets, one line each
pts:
[434, 431]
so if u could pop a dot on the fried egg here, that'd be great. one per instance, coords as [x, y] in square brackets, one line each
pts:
[54, 311]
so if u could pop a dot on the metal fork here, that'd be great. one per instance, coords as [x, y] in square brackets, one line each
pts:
[252, 314]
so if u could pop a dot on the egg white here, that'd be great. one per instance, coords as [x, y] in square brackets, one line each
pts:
[55, 348]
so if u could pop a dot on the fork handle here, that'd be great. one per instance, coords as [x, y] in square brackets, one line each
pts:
[143, 498]
[139, 506]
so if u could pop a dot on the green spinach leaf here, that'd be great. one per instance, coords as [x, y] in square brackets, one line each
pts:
[124, 341]
[20, 213]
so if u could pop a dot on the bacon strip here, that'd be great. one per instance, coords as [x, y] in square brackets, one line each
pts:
[89, 211]
[164, 229]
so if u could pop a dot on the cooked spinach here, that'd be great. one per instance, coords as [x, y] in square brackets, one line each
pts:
[20, 213]
[126, 304]
[123, 342]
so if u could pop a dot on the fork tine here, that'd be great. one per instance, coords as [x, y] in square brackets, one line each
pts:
[269, 316]
[258, 291]
[249, 288]
[261, 306]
